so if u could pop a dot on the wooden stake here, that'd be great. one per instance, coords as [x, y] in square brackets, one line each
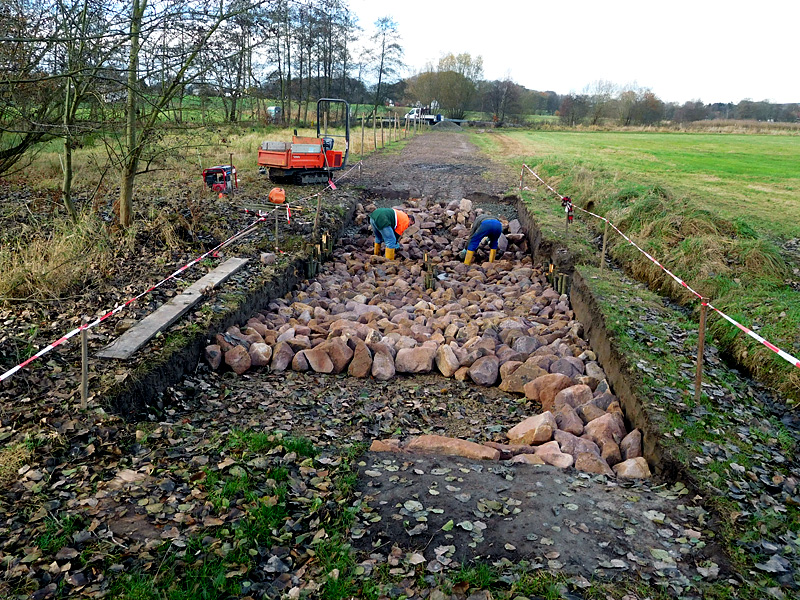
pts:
[603, 253]
[363, 116]
[276, 231]
[374, 129]
[382, 143]
[84, 365]
[701, 343]
[316, 218]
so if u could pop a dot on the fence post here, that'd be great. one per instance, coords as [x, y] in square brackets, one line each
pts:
[521, 175]
[374, 130]
[84, 364]
[383, 144]
[363, 116]
[603, 253]
[701, 342]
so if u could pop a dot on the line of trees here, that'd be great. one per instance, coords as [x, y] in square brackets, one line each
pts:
[124, 72]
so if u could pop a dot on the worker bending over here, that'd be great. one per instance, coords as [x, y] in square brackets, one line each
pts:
[388, 224]
[484, 226]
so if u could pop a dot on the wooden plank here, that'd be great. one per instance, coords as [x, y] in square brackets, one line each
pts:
[137, 336]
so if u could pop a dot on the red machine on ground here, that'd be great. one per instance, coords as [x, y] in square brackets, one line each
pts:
[221, 178]
[307, 159]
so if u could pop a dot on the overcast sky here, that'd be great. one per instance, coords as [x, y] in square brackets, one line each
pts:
[682, 50]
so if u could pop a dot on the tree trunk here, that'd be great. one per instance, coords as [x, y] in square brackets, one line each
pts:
[132, 159]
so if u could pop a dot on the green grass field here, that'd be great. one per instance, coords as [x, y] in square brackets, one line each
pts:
[756, 177]
[715, 209]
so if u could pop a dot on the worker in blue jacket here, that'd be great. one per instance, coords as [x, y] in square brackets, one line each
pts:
[483, 227]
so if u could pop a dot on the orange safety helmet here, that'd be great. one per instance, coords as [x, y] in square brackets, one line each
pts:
[277, 196]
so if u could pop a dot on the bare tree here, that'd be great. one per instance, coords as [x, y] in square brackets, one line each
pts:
[387, 51]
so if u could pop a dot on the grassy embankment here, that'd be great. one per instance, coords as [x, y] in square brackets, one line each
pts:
[716, 210]
[700, 204]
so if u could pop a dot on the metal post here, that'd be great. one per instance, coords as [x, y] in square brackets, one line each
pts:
[521, 175]
[84, 364]
[603, 253]
[276, 231]
[701, 342]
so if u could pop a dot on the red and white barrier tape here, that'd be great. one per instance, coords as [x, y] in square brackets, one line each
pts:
[247, 230]
[119, 307]
[784, 355]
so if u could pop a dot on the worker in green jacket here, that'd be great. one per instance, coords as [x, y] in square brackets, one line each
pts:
[388, 224]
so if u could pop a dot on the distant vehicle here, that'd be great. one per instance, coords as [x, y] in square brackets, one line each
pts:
[274, 113]
[422, 114]
[307, 159]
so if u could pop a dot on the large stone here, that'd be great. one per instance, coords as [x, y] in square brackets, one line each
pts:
[339, 353]
[453, 447]
[390, 445]
[526, 344]
[571, 368]
[552, 455]
[214, 356]
[319, 360]
[574, 445]
[300, 362]
[568, 420]
[631, 445]
[516, 380]
[237, 359]
[383, 365]
[414, 360]
[461, 374]
[607, 427]
[361, 364]
[545, 388]
[282, 355]
[533, 430]
[589, 462]
[589, 412]
[528, 459]
[446, 360]
[484, 370]
[260, 354]
[573, 396]
[595, 370]
[610, 452]
[634, 468]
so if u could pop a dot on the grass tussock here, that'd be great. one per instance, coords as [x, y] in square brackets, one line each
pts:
[11, 459]
[51, 263]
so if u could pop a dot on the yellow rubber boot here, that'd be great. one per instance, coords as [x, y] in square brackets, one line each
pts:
[468, 257]
[492, 254]
[377, 250]
[390, 253]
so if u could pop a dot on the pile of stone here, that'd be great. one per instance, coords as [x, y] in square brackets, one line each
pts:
[491, 323]
[559, 437]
